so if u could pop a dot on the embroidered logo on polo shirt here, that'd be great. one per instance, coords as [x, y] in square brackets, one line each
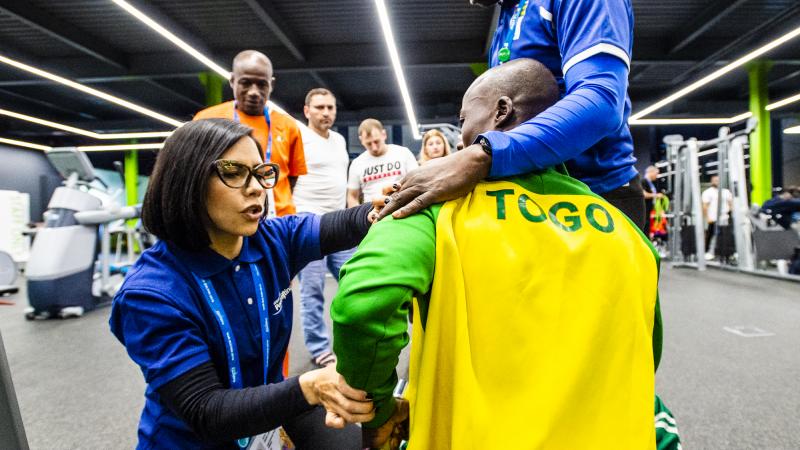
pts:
[278, 303]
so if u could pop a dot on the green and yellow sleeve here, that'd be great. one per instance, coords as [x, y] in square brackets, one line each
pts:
[393, 264]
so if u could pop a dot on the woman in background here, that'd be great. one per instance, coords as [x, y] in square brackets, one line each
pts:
[434, 145]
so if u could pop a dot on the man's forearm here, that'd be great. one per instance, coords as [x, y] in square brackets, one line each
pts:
[370, 310]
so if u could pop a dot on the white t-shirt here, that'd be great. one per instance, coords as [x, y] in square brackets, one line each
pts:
[711, 198]
[371, 174]
[324, 188]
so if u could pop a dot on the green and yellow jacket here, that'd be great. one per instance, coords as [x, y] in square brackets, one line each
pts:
[536, 319]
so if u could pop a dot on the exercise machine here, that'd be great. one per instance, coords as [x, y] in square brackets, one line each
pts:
[8, 275]
[65, 276]
[741, 243]
[451, 132]
[12, 432]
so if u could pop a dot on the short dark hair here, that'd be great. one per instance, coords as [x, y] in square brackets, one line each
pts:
[317, 91]
[174, 207]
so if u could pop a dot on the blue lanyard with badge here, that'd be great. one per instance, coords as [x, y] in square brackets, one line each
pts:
[513, 33]
[271, 439]
[271, 211]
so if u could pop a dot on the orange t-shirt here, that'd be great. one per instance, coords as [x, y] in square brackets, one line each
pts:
[287, 147]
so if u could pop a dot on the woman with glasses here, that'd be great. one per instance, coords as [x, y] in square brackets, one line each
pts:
[207, 312]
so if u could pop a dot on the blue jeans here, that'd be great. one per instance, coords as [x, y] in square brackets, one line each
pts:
[312, 300]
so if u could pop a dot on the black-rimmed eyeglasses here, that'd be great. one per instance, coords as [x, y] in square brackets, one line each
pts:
[235, 174]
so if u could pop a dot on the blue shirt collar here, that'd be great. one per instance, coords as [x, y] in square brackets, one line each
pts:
[206, 263]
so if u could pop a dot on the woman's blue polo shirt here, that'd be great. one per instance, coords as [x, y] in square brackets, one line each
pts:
[164, 322]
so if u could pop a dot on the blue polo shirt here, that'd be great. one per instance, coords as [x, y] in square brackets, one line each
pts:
[165, 324]
[586, 44]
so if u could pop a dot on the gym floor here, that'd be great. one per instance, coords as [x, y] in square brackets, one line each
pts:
[730, 370]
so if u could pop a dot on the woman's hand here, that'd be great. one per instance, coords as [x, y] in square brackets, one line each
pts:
[439, 180]
[344, 404]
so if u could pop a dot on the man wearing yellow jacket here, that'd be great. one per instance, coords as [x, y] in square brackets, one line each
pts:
[536, 315]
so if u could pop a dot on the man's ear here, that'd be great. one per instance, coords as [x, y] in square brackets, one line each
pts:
[232, 84]
[504, 112]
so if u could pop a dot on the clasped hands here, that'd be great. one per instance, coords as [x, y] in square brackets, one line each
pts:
[345, 404]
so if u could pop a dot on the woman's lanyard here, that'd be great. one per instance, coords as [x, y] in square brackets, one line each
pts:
[269, 129]
[514, 28]
[212, 299]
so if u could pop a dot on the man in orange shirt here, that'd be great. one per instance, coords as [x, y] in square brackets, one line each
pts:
[278, 134]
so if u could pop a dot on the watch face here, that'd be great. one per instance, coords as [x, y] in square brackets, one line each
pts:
[485, 145]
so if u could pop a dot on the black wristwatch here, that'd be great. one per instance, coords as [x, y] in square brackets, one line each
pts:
[485, 145]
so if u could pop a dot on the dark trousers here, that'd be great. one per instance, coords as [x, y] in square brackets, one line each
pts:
[630, 200]
[308, 432]
[710, 232]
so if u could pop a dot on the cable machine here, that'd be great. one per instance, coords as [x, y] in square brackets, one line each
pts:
[741, 243]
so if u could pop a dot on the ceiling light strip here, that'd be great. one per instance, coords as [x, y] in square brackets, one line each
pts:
[82, 132]
[91, 91]
[692, 120]
[792, 130]
[718, 73]
[782, 103]
[172, 38]
[142, 135]
[122, 147]
[682, 121]
[24, 144]
[158, 28]
[742, 116]
[383, 16]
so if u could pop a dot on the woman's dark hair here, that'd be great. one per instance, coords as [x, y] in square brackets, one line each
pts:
[174, 207]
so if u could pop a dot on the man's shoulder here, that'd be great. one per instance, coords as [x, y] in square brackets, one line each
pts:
[363, 157]
[223, 111]
[398, 151]
[337, 136]
[284, 120]
[309, 134]
[399, 148]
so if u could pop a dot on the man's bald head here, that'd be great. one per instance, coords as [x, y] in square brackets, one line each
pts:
[506, 96]
[248, 57]
[251, 81]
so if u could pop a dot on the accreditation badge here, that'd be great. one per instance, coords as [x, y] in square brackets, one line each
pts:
[271, 440]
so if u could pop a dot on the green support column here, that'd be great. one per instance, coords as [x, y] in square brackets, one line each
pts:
[132, 177]
[760, 140]
[213, 83]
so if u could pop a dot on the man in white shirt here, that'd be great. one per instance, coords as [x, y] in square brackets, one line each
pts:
[379, 167]
[322, 190]
[710, 199]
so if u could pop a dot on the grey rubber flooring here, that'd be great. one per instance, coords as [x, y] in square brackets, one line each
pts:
[77, 388]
